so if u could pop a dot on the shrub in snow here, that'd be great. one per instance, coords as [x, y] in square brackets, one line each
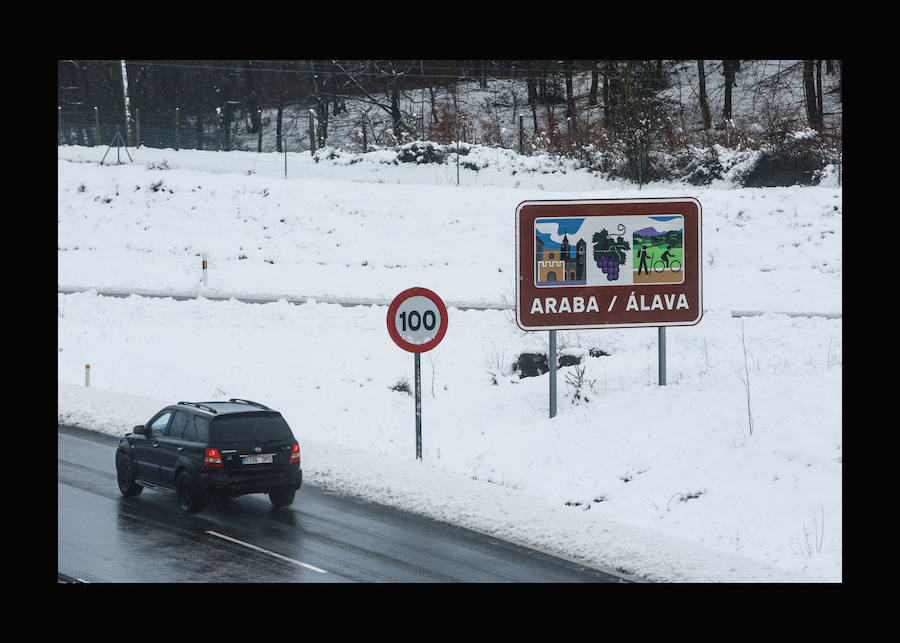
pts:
[794, 163]
[421, 152]
[534, 364]
[797, 157]
[531, 365]
[698, 166]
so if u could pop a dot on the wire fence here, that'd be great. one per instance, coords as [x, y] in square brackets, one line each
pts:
[640, 161]
[180, 129]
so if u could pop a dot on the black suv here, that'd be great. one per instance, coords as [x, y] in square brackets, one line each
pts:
[204, 450]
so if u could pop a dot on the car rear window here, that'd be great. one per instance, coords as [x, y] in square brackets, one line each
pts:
[264, 426]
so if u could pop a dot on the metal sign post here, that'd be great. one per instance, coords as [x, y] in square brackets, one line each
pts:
[553, 363]
[418, 366]
[417, 322]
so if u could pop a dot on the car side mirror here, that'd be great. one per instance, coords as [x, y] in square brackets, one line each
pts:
[140, 430]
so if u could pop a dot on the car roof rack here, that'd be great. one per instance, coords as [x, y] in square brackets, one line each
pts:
[238, 400]
[201, 406]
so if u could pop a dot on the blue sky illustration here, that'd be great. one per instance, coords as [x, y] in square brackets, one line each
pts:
[677, 223]
[568, 226]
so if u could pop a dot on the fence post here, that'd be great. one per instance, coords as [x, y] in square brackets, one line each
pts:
[218, 129]
[97, 124]
[840, 160]
[312, 133]
[259, 140]
[59, 135]
[521, 135]
[365, 141]
[137, 127]
[177, 135]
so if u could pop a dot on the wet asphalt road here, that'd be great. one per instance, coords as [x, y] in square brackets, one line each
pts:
[322, 537]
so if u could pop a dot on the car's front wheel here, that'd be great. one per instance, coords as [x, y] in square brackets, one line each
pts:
[281, 497]
[190, 498]
[125, 475]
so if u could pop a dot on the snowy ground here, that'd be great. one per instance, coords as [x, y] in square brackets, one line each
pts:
[665, 483]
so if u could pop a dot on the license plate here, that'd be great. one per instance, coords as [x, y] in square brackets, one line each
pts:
[257, 459]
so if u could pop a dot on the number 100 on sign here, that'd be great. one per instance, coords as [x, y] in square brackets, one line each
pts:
[426, 321]
[417, 320]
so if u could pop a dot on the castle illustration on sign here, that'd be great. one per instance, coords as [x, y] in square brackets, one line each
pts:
[562, 265]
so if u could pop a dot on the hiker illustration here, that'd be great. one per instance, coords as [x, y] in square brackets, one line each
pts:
[666, 255]
[643, 265]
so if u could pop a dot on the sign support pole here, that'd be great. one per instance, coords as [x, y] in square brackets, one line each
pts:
[662, 355]
[553, 373]
[418, 407]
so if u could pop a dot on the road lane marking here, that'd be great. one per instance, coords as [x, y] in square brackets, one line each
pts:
[266, 551]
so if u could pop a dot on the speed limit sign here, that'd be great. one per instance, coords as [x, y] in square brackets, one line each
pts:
[417, 320]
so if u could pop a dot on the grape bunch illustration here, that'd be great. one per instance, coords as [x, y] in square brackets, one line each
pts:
[609, 253]
[610, 267]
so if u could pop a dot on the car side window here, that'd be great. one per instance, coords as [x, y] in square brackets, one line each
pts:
[202, 426]
[158, 426]
[190, 433]
[178, 423]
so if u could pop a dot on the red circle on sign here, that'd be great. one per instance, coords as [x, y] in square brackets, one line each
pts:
[392, 325]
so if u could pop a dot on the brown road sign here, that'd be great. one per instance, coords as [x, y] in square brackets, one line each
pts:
[608, 263]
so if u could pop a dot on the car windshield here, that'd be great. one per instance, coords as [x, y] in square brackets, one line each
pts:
[258, 427]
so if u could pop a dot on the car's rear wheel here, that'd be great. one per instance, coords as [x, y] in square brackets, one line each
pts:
[125, 476]
[190, 498]
[281, 497]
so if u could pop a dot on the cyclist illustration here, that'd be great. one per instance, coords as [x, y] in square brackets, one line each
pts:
[666, 255]
[663, 262]
[643, 265]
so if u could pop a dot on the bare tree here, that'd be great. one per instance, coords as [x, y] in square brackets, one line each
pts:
[812, 96]
[570, 101]
[729, 70]
[389, 77]
[704, 103]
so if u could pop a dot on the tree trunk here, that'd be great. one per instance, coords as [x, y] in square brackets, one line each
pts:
[729, 68]
[608, 73]
[841, 82]
[704, 104]
[321, 111]
[252, 100]
[570, 102]
[532, 95]
[820, 103]
[809, 89]
[434, 115]
[396, 118]
[592, 97]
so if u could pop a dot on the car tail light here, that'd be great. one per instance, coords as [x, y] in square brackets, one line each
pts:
[295, 453]
[212, 458]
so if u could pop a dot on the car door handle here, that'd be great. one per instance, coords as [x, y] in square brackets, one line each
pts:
[155, 444]
[179, 448]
